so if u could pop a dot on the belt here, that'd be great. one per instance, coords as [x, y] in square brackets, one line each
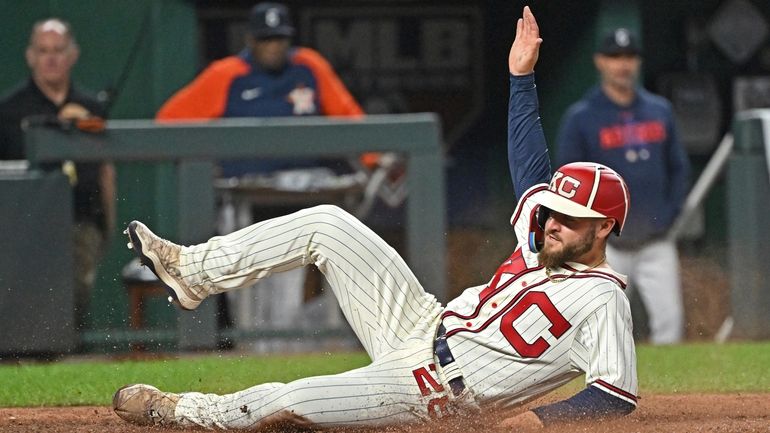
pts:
[447, 362]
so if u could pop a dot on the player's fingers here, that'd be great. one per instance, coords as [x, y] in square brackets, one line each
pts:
[519, 27]
[531, 23]
[525, 21]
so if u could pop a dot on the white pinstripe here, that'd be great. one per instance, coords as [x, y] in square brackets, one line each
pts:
[396, 322]
[599, 342]
[376, 290]
[382, 393]
[382, 300]
[601, 327]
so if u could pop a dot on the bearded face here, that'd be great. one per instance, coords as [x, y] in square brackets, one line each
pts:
[563, 248]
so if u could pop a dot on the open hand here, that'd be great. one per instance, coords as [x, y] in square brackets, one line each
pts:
[526, 47]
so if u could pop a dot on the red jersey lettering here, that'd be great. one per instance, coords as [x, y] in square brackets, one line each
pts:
[614, 136]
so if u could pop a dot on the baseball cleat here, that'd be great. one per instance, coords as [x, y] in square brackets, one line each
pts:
[162, 257]
[145, 405]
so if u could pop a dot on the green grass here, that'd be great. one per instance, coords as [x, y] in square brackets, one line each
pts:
[94, 382]
[736, 367]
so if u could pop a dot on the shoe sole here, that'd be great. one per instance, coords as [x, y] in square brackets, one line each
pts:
[116, 397]
[117, 406]
[136, 417]
[150, 260]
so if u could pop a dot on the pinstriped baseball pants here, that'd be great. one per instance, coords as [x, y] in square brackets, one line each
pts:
[387, 308]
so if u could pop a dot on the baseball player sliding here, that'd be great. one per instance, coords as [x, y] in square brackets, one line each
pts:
[554, 310]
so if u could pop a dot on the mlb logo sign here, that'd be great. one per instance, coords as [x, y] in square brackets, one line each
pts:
[400, 59]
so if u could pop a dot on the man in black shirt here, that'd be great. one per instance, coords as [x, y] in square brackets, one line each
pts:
[49, 94]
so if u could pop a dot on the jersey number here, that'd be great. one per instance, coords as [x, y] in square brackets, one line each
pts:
[437, 407]
[559, 325]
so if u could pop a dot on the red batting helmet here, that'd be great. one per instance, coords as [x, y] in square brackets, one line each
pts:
[587, 190]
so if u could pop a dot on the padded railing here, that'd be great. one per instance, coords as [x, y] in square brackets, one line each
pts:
[193, 147]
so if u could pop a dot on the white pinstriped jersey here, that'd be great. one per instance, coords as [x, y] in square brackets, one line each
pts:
[523, 334]
[515, 338]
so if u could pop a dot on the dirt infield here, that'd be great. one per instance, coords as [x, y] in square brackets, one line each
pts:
[657, 413]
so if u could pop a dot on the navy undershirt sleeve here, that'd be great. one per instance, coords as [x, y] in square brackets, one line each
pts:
[590, 403]
[528, 158]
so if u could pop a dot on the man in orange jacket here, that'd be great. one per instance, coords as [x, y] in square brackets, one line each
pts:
[268, 78]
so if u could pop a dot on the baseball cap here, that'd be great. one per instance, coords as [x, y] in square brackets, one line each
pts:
[619, 41]
[270, 19]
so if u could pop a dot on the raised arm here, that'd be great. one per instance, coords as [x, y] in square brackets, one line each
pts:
[528, 159]
[529, 164]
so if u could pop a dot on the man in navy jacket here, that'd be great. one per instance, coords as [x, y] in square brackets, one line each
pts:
[623, 126]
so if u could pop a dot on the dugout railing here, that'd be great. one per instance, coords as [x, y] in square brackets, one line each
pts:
[192, 149]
